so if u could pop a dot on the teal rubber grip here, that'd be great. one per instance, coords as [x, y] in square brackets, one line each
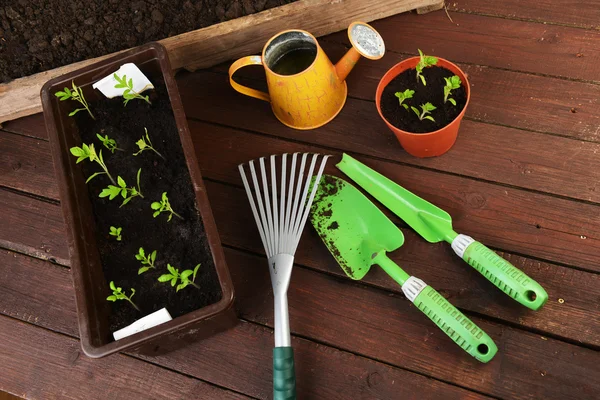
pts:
[505, 276]
[456, 325]
[284, 374]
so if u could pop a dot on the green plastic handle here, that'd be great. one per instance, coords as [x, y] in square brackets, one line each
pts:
[505, 276]
[456, 325]
[284, 374]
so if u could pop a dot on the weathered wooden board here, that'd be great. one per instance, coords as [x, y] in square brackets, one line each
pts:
[579, 13]
[54, 362]
[239, 359]
[490, 152]
[231, 39]
[236, 147]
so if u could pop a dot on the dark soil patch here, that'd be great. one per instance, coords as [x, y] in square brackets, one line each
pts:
[182, 243]
[38, 35]
[433, 92]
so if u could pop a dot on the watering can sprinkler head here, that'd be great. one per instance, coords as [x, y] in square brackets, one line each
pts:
[366, 42]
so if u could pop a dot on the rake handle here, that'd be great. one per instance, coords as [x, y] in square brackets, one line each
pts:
[284, 374]
[508, 278]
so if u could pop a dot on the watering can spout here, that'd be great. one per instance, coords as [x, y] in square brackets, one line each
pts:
[366, 42]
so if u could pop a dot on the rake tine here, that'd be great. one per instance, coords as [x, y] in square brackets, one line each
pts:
[298, 227]
[282, 202]
[264, 176]
[253, 207]
[311, 198]
[263, 218]
[288, 207]
[275, 214]
[296, 199]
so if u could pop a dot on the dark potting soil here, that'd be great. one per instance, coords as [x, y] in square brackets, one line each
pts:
[181, 243]
[433, 92]
[37, 35]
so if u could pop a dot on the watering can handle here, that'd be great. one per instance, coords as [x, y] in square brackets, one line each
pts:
[244, 62]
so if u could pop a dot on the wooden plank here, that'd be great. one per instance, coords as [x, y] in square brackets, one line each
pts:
[578, 13]
[496, 42]
[217, 43]
[542, 226]
[574, 319]
[39, 364]
[26, 165]
[34, 227]
[482, 151]
[32, 125]
[388, 328]
[239, 358]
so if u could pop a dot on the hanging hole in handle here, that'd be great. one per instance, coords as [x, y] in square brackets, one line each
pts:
[483, 349]
[531, 296]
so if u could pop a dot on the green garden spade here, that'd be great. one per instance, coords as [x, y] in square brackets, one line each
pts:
[359, 235]
[435, 225]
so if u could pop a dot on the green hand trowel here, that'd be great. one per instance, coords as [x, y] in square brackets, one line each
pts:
[358, 235]
[435, 225]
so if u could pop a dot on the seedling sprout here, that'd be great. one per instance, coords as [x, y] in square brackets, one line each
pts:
[109, 143]
[128, 93]
[146, 144]
[164, 206]
[424, 62]
[116, 232]
[76, 95]
[147, 261]
[452, 83]
[112, 191]
[407, 94]
[87, 151]
[183, 277]
[426, 108]
[119, 295]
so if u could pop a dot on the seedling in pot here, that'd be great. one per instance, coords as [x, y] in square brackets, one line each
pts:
[452, 83]
[424, 62]
[183, 277]
[128, 93]
[147, 261]
[116, 232]
[146, 144]
[119, 295]
[407, 94]
[87, 151]
[164, 206]
[127, 193]
[76, 95]
[109, 143]
[426, 108]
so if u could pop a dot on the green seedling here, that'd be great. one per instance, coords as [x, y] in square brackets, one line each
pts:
[127, 193]
[146, 144]
[426, 108]
[87, 151]
[76, 95]
[128, 93]
[183, 277]
[424, 62]
[116, 232]
[452, 83]
[163, 206]
[109, 143]
[407, 94]
[119, 295]
[147, 261]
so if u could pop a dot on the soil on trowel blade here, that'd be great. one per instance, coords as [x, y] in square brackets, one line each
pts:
[38, 35]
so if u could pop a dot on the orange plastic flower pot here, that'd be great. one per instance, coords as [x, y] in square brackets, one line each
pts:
[429, 144]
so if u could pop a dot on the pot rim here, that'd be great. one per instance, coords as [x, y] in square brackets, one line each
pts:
[390, 72]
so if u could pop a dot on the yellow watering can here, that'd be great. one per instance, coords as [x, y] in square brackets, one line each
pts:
[305, 89]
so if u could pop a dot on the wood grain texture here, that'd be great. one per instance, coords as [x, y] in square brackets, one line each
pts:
[39, 364]
[33, 227]
[497, 42]
[580, 13]
[490, 152]
[214, 44]
[576, 319]
[239, 358]
[389, 328]
[26, 164]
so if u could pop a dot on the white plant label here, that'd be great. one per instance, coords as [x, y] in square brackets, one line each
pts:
[149, 321]
[107, 84]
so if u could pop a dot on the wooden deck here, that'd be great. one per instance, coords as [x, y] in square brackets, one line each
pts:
[523, 177]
